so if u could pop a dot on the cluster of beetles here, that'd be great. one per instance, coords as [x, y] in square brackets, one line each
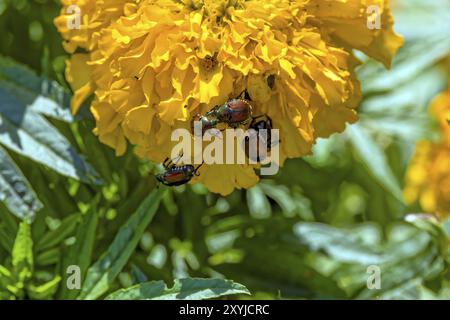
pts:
[234, 113]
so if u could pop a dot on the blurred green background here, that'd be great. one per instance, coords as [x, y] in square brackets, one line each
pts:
[310, 232]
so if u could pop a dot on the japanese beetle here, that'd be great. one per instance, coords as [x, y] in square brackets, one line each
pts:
[176, 175]
[234, 112]
[257, 124]
[208, 122]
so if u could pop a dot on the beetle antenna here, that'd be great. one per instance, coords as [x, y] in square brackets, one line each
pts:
[178, 158]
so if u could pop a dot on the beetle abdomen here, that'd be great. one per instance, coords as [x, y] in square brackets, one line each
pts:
[235, 111]
[177, 175]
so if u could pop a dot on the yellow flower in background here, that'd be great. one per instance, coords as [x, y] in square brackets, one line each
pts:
[428, 175]
[155, 64]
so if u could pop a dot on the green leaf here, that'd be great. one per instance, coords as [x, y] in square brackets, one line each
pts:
[408, 99]
[138, 275]
[342, 245]
[257, 203]
[402, 280]
[409, 119]
[48, 257]
[420, 19]
[55, 237]
[270, 263]
[373, 157]
[80, 253]
[100, 275]
[6, 241]
[15, 190]
[443, 294]
[411, 255]
[27, 132]
[292, 201]
[361, 244]
[50, 98]
[44, 291]
[22, 255]
[183, 289]
[411, 60]
[5, 278]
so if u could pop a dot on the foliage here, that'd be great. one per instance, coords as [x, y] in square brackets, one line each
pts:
[309, 232]
[25, 99]
[184, 289]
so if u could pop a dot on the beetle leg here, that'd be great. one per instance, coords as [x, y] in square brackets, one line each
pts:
[159, 181]
[245, 122]
[167, 163]
[212, 112]
[244, 95]
[196, 170]
[175, 162]
[261, 116]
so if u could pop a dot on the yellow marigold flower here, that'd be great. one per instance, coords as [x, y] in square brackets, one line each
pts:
[155, 64]
[94, 16]
[428, 175]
